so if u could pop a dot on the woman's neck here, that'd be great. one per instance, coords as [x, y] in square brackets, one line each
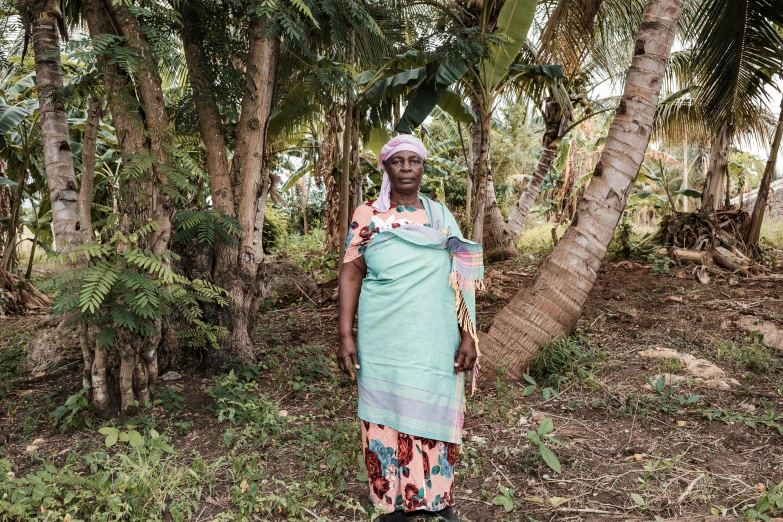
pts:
[409, 200]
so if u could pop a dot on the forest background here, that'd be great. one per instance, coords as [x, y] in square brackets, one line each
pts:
[177, 178]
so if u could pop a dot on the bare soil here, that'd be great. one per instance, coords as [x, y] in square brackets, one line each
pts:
[628, 451]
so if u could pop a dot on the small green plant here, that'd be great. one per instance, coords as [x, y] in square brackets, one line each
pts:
[11, 366]
[770, 503]
[506, 499]
[661, 266]
[136, 441]
[239, 402]
[183, 427]
[170, 399]
[75, 414]
[666, 399]
[540, 438]
[548, 392]
[569, 359]
[309, 366]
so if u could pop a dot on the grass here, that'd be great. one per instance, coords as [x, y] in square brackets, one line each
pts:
[573, 359]
[772, 232]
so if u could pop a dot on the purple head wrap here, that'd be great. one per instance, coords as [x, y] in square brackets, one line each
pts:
[402, 142]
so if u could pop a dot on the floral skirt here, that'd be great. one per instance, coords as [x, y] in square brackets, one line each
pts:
[406, 472]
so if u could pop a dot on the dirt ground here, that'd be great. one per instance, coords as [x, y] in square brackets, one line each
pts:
[630, 446]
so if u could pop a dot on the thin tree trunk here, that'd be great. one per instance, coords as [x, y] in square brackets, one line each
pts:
[753, 228]
[58, 160]
[304, 200]
[328, 159]
[556, 124]
[685, 174]
[479, 144]
[345, 181]
[555, 302]
[714, 184]
[29, 271]
[89, 147]
[9, 252]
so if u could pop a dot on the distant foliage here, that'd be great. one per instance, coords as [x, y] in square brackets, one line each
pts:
[207, 226]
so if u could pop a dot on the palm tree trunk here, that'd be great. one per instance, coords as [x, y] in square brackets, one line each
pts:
[555, 302]
[714, 184]
[753, 230]
[60, 175]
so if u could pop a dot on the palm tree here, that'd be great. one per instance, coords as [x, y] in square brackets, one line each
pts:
[60, 174]
[752, 231]
[736, 50]
[555, 302]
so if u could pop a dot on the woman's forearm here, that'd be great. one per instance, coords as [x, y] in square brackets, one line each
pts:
[349, 287]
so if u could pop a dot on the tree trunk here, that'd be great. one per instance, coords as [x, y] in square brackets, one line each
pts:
[9, 253]
[479, 145]
[345, 178]
[89, 147]
[239, 273]
[714, 187]
[58, 159]
[555, 302]
[502, 236]
[685, 174]
[330, 151]
[752, 231]
[142, 131]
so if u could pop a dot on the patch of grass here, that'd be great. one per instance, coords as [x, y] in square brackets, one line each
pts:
[573, 359]
[755, 358]
[536, 238]
[772, 232]
[672, 365]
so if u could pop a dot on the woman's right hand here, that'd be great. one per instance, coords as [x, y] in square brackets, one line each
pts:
[348, 357]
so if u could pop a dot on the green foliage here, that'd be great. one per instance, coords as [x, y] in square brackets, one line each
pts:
[11, 365]
[569, 359]
[661, 266]
[239, 402]
[274, 229]
[206, 226]
[309, 366]
[170, 399]
[540, 438]
[119, 286]
[132, 437]
[136, 483]
[75, 414]
[666, 400]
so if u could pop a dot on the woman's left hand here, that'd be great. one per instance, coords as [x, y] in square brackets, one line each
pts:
[466, 355]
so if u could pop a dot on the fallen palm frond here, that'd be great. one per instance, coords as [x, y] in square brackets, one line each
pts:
[18, 295]
[705, 238]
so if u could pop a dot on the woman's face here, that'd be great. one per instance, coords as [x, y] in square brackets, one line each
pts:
[405, 169]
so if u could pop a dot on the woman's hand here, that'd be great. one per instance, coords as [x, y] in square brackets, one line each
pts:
[347, 356]
[466, 355]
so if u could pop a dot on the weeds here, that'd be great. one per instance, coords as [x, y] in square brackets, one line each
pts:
[11, 366]
[239, 402]
[75, 414]
[755, 357]
[566, 360]
[135, 484]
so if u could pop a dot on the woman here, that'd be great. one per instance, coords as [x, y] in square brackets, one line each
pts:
[412, 277]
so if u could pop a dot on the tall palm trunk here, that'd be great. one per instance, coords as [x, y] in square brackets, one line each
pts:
[685, 174]
[60, 175]
[753, 230]
[555, 302]
[714, 184]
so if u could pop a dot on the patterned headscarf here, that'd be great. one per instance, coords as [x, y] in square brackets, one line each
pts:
[402, 142]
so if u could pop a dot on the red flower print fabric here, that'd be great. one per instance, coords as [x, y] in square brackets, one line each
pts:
[406, 472]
